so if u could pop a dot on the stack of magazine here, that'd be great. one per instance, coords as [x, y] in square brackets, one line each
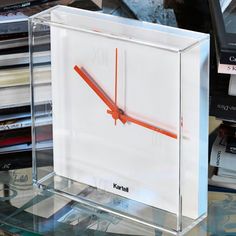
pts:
[223, 93]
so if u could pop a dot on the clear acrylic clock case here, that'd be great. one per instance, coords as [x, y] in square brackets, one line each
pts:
[127, 111]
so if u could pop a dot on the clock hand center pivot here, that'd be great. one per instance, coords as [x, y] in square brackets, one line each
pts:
[117, 114]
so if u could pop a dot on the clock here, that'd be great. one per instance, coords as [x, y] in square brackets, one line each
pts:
[130, 108]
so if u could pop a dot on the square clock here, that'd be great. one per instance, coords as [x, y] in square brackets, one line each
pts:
[130, 110]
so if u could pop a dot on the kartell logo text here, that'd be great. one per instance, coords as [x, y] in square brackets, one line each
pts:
[122, 188]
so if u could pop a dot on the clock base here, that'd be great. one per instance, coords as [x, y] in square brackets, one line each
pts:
[116, 207]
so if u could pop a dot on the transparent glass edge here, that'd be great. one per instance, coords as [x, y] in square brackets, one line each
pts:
[34, 158]
[60, 25]
[186, 33]
[186, 228]
[43, 21]
[179, 223]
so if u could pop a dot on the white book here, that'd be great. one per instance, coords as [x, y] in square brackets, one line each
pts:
[20, 42]
[214, 181]
[232, 85]
[21, 95]
[217, 183]
[129, 158]
[219, 157]
[223, 179]
[226, 68]
[24, 122]
[23, 58]
[226, 173]
[20, 76]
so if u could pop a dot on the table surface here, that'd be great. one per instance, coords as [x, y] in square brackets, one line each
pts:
[27, 210]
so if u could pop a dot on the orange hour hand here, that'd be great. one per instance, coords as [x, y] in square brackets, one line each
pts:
[95, 87]
[99, 91]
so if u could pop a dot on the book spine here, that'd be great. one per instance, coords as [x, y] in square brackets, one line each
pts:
[14, 126]
[228, 180]
[231, 145]
[226, 173]
[223, 107]
[12, 7]
[227, 57]
[230, 149]
[14, 110]
[226, 130]
[232, 86]
[220, 158]
[23, 135]
[16, 29]
[227, 69]
[19, 160]
[13, 161]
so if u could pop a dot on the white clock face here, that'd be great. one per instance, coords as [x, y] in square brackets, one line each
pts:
[116, 115]
[139, 81]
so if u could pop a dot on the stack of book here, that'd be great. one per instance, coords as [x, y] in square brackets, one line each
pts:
[223, 93]
[223, 157]
[223, 83]
[15, 118]
[223, 97]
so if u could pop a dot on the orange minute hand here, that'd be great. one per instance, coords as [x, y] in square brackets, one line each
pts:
[99, 91]
[146, 125]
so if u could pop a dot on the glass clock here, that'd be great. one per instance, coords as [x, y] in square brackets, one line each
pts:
[129, 116]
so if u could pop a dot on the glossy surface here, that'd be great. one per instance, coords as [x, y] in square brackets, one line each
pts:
[26, 211]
